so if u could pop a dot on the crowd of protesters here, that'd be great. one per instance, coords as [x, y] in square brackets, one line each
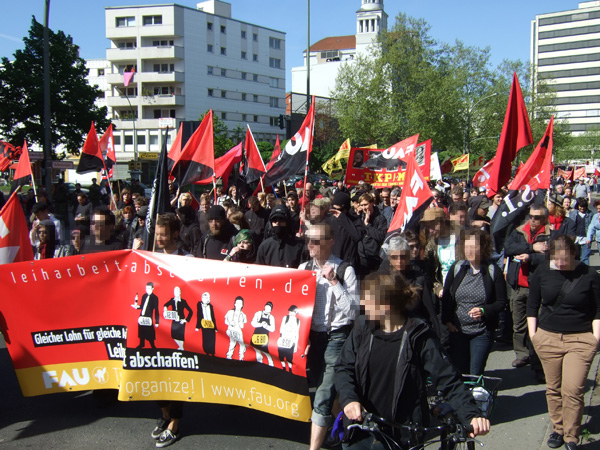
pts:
[448, 287]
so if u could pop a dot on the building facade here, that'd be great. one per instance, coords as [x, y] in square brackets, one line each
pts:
[330, 54]
[186, 62]
[565, 47]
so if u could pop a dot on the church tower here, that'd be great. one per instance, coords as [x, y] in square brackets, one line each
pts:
[371, 20]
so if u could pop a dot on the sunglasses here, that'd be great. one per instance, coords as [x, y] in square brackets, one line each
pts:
[536, 217]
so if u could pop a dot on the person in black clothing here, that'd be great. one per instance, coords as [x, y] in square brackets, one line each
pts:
[102, 237]
[282, 249]
[365, 379]
[190, 234]
[243, 249]
[347, 232]
[563, 319]
[257, 218]
[216, 242]
[375, 225]
[294, 207]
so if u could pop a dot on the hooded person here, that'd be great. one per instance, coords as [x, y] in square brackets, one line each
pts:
[243, 249]
[348, 231]
[189, 234]
[282, 249]
[216, 242]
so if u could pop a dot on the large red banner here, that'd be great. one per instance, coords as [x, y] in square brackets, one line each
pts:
[161, 327]
[391, 173]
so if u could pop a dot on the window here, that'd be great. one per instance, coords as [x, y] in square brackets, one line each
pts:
[244, 117]
[243, 34]
[211, 92]
[125, 22]
[255, 98]
[256, 118]
[153, 139]
[274, 82]
[209, 26]
[275, 63]
[128, 44]
[223, 72]
[163, 90]
[274, 121]
[255, 37]
[255, 57]
[209, 48]
[223, 94]
[224, 116]
[128, 139]
[100, 72]
[152, 20]
[223, 51]
[117, 139]
[163, 43]
[275, 43]
[243, 97]
[209, 70]
[244, 55]
[274, 102]
[244, 74]
[141, 139]
[254, 77]
[330, 54]
[223, 29]
[164, 68]
[129, 91]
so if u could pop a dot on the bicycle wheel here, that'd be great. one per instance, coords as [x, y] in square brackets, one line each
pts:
[449, 444]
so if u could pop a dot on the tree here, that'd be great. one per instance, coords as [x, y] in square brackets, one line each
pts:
[72, 98]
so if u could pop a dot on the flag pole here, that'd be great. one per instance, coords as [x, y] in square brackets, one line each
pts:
[215, 187]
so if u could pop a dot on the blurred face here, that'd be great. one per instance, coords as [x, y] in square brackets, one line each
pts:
[456, 198]
[43, 233]
[126, 197]
[215, 226]
[563, 259]
[292, 202]
[204, 205]
[128, 215]
[100, 229]
[414, 249]
[459, 218]
[393, 200]
[309, 189]
[473, 250]
[366, 206]
[598, 208]
[560, 189]
[434, 227]
[567, 203]
[465, 197]
[375, 308]
[76, 240]
[81, 200]
[569, 191]
[186, 201]
[581, 208]
[399, 260]
[318, 245]
[385, 198]
[163, 236]
[537, 219]
[497, 200]
[245, 244]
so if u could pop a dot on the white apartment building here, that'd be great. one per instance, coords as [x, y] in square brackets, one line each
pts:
[186, 62]
[565, 46]
[328, 55]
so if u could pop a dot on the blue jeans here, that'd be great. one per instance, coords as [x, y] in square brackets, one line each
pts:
[585, 253]
[322, 356]
[469, 353]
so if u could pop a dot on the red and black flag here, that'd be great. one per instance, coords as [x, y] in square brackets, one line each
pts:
[534, 176]
[516, 134]
[415, 199]
[224, 165]
[175, 151]
[160, 200]
[8, 153]
[15, 245]
[196, 161]
[23, 173]
[253, 167]
[91, 159]
[275, 154]
[107, 148]
[294, 157]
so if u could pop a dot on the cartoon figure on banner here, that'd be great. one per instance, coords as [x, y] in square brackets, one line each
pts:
[235, 320]
[289, 332]
[205, 320]
[264, 323]
[146, 325]
[175, 310]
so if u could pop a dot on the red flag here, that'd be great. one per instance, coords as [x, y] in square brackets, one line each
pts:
[294, 156]
[23, 171]
[107, 147]
[197, 159]
[224, 165]
[254, 167]
[275, 154]
[91, 157]
[8, 152]
[15, 245]
[565, 174]
[536, 172]
[579, 173]
[516, 134]
[596, 171]
[415, 198]
[446, 166]
[127, 77]
[483, 175]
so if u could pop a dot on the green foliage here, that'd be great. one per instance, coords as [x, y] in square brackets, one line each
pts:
[449, 93]
[71, 97]
[221, 136]
[266, 150]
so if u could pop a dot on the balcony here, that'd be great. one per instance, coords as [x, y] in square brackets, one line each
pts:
[161, 77]
[163, 100]
[167, 52]
[121, 101]
[121, 54]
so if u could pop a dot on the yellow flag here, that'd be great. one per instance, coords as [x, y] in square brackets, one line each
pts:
[460, 163]
[334, 164]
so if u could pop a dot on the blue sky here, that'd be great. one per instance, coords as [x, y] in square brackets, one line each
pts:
[504, 26]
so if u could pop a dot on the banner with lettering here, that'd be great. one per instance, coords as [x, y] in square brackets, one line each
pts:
[387, 168]
[161, 327]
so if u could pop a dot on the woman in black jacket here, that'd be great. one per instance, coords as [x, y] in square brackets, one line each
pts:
[474, 295]
[365, 379]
